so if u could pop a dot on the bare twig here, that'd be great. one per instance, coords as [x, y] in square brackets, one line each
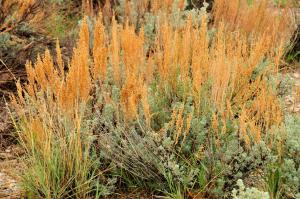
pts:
[12, 74]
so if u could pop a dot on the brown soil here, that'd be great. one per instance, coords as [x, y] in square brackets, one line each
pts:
[10, 157]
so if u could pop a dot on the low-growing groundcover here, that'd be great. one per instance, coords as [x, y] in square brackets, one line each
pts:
[187, 106]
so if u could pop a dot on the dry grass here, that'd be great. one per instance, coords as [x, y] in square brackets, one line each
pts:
[258, 17]
[297, 92]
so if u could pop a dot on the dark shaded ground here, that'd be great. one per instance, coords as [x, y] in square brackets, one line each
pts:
[7, 136]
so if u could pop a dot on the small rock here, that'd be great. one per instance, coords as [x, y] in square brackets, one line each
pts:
[8, 150]
[296, 75]
[289, 100]
[6, 156]
[8, 187]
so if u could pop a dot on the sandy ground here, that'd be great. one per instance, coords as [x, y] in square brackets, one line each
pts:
[293, 104]
[10, 167]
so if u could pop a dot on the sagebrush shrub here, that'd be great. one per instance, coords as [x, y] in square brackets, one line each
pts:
[290, 165]
[248, 193]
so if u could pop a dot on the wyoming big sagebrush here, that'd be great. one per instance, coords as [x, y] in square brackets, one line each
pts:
[135, 100]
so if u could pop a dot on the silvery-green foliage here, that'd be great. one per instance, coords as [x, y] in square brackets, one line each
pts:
[141, 156]
[56, 1]
[144, 154]
[288, 160]
[130, 150]
[107, 188]
[5, 42]
[150, 27]
[248, 193]
[133, 17]
[292, 125]
[196, 137]
[241, 162]
[197, 14]
[286, 84]
[290, 166]
[290, 177]
[178, 17]
[10, 45]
